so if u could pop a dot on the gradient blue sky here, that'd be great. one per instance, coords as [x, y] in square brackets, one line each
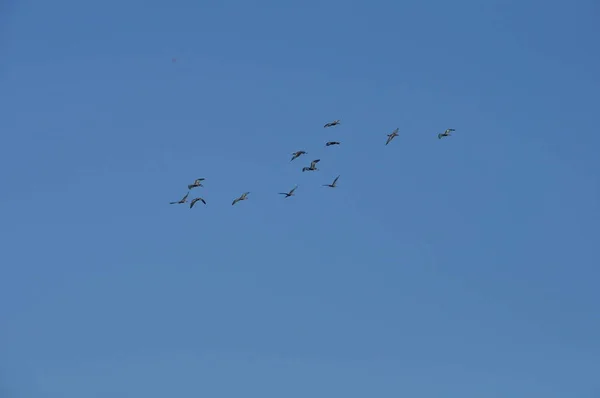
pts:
[462, 267]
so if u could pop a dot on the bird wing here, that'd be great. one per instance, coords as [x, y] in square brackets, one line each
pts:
[193, 202]
[202, 200]
[185, 197]
[235, 201]
[334, 181]
[293, 189]
[390, 137]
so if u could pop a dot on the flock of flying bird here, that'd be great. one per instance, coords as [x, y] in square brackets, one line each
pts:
[312, 167]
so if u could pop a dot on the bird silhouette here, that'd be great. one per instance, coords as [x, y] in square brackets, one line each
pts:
[243, 197]
[197, 183]
[392, 136]
[445, 133]
[330, 143]
[331, 124]
[182, 201]
[193, 202]
[313, 166]
[296, 155]
[290, 193]
[332, 185]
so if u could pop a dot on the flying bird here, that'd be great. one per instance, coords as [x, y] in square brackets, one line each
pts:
[182, 201]
[391, 136]
[197, 183]
[331, 124]
[330, 143]
[332, 185]
[297, 154]
[313, 166]
[445, 133]
[243, 197]
[195, 200]
[290, 193]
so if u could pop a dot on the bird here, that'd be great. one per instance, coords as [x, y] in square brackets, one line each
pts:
[297, 154]
[332, 185]
[195, 200]
[182, 201]
[290, 193]
[445, 133]
[391, 136]
[313, 166]
[197, 183]
[331, 124]
[330, 143]
[243, 197]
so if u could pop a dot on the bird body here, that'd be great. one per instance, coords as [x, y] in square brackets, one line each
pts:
[182, 201]
[332, 185]
[290, 193]
[445, 133]
[197, 183]
[392, 136]
[297, 154]
[330, 143]
[331, 124]
[313, 166]
[243, 197]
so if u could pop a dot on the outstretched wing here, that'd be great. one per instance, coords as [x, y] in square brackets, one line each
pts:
[235, 201]
[185, 197]
[293, 189]
[449, 130]
[314, 162]
[334, 181]
[389, 139]
[193, 202]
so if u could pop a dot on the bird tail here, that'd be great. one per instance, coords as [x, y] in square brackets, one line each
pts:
[190, 186]
[440, 136]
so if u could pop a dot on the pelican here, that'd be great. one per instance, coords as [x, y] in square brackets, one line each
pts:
[195, 200]
[182, 201]
[332, 185]
[331, 124]
[313, 166]
[445, 133]
[297, 154]
[290, 193]
[330, 143]
[197, 183]
[243, 197]
[391, 136]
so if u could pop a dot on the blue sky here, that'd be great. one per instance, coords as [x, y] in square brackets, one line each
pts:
[463, 267]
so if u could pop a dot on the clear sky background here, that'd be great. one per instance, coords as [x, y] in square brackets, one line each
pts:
[465, 267]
